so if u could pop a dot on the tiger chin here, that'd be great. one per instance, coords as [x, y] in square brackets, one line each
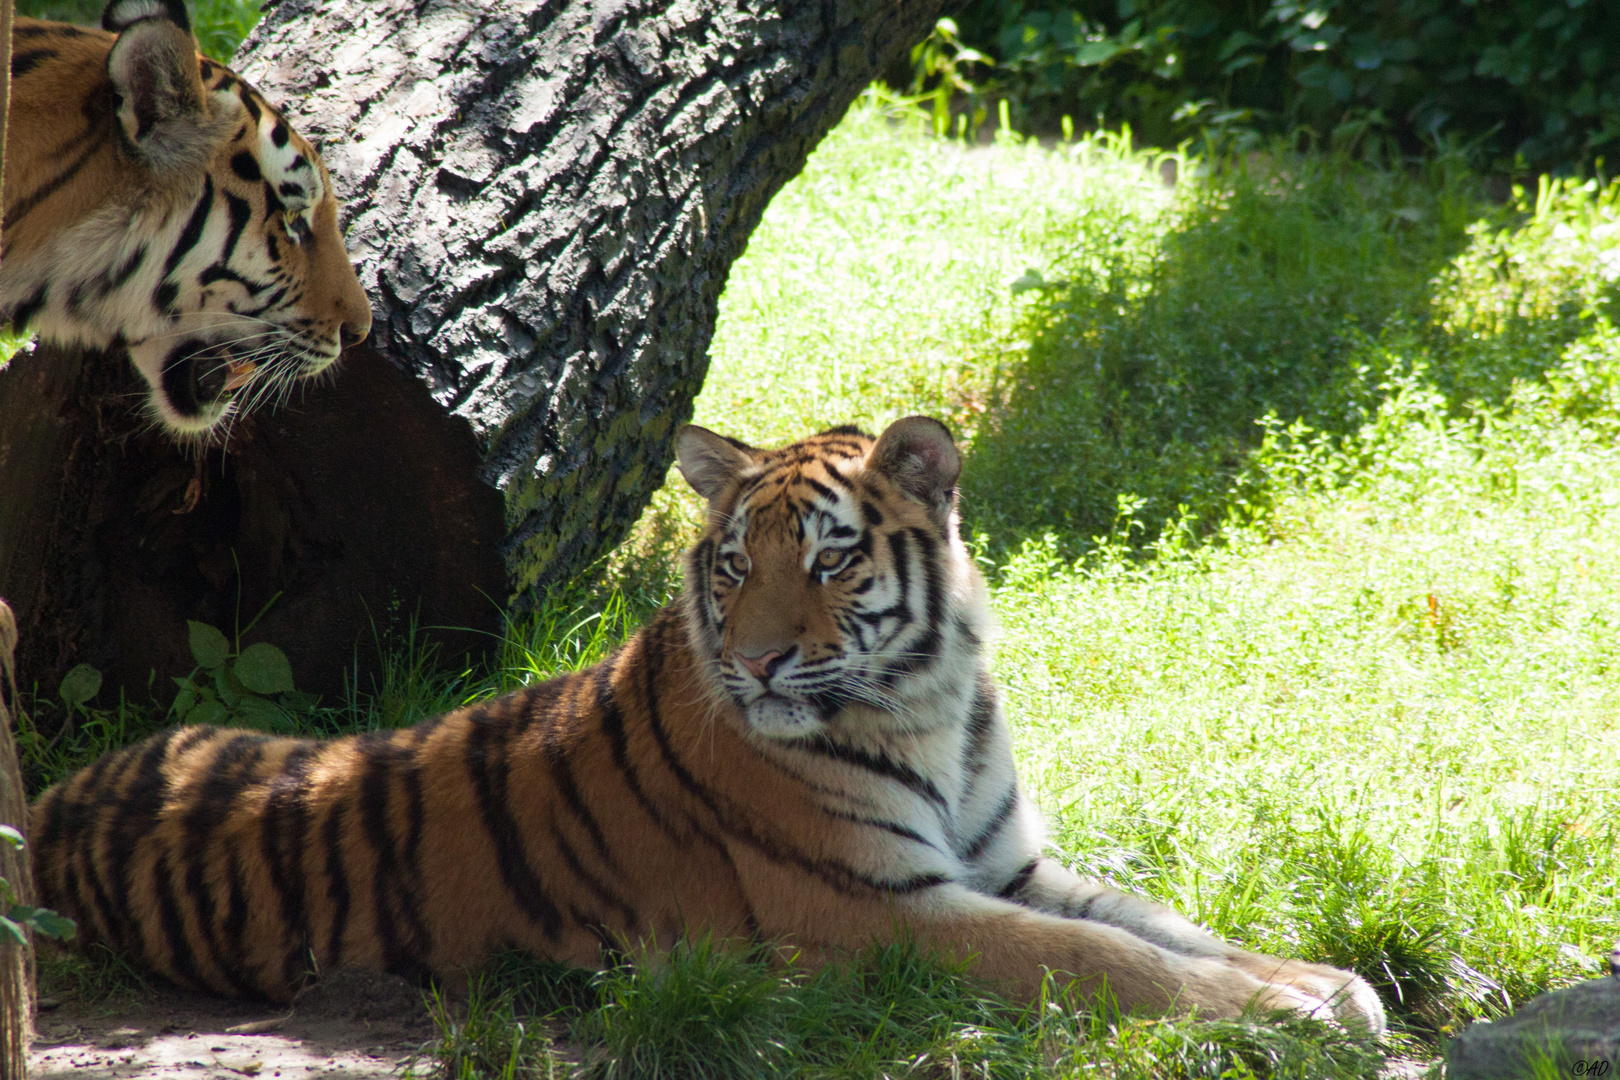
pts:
[807, 746]
[155, 203]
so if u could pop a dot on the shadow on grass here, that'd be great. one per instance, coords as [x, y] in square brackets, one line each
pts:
[1293, 286]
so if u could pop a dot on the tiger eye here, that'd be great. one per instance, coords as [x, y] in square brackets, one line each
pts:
[831, 558]
[737, 563]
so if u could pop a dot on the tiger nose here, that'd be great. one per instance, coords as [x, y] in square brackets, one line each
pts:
[764, 665]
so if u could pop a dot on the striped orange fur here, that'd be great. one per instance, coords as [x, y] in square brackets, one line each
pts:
[808, 746]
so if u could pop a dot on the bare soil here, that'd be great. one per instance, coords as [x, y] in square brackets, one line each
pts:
[353, 1025]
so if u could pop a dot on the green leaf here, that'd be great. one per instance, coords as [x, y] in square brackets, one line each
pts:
[263, 669]
[208, 645]
[262, 714]
[1239, 39]
[43, 920]
[10, 833]
[9, 929]
[1314, 76]
[52, 925]
[1093, 53]
[207, 712]
[184, 701]
[80, 685]
[230, 689]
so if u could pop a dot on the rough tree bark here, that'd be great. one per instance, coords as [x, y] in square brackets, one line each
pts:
[544, 198]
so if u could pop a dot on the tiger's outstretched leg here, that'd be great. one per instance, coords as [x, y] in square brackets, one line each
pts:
[1051, 887]
[1010, 945]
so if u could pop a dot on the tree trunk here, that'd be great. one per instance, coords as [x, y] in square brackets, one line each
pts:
[544, 198]
[356, 510]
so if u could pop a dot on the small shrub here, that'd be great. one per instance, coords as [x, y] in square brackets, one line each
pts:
[1521, 85]
[252, 687]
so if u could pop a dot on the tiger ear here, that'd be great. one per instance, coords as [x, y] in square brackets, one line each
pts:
[918, 456]
[162, 106]
[709, 461]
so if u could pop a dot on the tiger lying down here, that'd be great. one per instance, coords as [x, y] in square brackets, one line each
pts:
[155, 201]
[807, 746]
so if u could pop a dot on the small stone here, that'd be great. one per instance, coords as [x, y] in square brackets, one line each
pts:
[1576, 1026]
[46, 1004]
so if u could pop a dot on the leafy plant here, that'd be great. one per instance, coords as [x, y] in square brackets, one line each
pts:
[79, 686]
[943, 70]
[20, 917]
[1525, 84]
[253, 686]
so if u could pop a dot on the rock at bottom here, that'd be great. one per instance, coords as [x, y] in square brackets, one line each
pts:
[1576, 1029]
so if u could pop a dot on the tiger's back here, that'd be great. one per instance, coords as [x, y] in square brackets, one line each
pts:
[245, 864]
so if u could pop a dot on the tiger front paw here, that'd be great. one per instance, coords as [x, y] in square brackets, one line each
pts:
[1347, 997]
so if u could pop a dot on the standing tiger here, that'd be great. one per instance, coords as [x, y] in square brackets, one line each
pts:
[807, 745]
[155, 201]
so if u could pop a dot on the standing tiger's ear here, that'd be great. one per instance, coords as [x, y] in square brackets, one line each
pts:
[709, 461]
[162, 106]
[918, 456]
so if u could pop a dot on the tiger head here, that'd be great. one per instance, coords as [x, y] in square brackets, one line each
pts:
[155, 201]
[832, 574]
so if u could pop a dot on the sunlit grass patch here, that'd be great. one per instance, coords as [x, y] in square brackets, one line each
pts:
[881, 283]
[1369, 727]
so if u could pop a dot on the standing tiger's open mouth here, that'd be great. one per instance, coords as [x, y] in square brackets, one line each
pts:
[241, 371]
[199, 378]
[197, 381]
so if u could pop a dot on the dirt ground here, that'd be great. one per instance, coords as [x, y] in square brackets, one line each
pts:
[353, 1025]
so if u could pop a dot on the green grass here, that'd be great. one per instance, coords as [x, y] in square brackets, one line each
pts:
[1297, 489]
[1298, 486]
[703, 1014]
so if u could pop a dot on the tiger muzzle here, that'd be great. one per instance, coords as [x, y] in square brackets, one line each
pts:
[199, 376]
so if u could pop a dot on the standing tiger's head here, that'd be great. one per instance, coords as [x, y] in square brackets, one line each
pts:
[154, 200]
[831, 574]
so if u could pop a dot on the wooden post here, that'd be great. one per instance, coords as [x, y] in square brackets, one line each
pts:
[16, 961]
